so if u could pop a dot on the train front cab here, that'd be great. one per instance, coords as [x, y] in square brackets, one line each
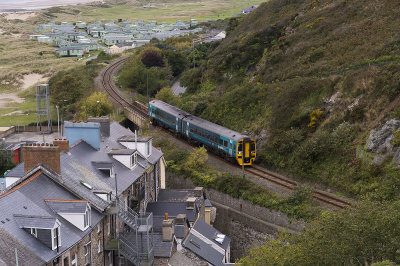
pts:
[246, 151]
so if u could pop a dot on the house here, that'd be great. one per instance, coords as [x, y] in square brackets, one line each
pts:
[120, 47]
[80, 25]
[77, 51]
[104, 165]
[249, 9]
[208, 243]
[54, 219]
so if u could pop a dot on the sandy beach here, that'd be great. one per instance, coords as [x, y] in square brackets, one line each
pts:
[38, 4]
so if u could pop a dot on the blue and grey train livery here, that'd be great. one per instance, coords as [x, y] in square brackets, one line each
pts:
[219, 139]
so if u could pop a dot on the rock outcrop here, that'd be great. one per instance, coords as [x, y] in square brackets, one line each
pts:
[379, 144]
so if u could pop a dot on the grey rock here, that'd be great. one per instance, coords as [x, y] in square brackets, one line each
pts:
[379, 144]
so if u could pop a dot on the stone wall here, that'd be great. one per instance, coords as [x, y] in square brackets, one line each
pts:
[243, 208]
[247, 225]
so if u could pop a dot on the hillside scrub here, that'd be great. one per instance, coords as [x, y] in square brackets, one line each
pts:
[193, 165]
[342, 238]
[314, 75]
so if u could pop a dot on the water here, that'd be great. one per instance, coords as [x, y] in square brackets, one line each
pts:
[15, 5]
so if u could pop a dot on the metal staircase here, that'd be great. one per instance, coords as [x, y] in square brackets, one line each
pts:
[136, 241]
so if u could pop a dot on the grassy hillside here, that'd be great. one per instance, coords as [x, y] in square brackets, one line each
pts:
[309, 79]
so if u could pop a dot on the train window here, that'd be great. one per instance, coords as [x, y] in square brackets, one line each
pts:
[240, 147]
[253, 146]
[225, 143]
[220, 142]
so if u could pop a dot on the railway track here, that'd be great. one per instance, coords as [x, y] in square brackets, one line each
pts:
[113, 91]
[319, 195]
[106, 80]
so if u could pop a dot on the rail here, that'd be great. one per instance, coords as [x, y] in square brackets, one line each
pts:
[319, 195]
[107, 83]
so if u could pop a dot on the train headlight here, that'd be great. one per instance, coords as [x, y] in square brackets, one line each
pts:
[239, 152]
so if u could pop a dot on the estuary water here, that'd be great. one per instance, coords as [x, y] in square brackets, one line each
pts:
[21, 5]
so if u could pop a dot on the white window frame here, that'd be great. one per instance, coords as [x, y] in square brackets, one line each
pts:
[34, 232]
[110, 261]
[109, 225]
[98, 228]
[99, 246]
[74, 260]
[54, 237]
[87, 253]
[86, 218]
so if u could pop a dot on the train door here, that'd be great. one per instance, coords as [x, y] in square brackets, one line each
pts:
[230, 147]
[187, 129]
[177, 124]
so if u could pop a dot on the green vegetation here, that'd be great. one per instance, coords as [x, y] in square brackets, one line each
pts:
[362, 236]
[6, 162]
[73, 89]
[276, 71]
[193, 165]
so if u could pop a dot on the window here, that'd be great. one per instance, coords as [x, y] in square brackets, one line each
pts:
[98, 246]
[220, 142]
[86, 217]
[108, 225]
[110, 262]
[98, 228]
[148, 148]
[87, 252]
[34, 232]
[225, 143]
[74, 261]
[55, 237]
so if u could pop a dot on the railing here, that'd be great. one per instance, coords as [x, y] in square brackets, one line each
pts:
[137, 245]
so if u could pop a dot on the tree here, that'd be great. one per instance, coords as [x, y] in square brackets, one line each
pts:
[6, 162]
[66, 87]
[96, 104]
[151, 57]
[166, 95]
[177, 61]
[367, 233]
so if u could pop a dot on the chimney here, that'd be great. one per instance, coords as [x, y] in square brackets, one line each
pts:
[89, 132]
[207, 211]
[46, 154]
[62, 143]
[180, 221]
[190, 203]
[104, 124]
[167, 229]
[198, 192]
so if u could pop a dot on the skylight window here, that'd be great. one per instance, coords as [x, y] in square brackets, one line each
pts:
[220, 238]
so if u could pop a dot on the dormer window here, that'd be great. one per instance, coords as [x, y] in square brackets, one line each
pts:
[87, 218]
[77, 212]
[34, 232]
[56, 237]
[133, 159]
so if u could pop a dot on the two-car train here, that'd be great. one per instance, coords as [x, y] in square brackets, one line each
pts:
[221, 140]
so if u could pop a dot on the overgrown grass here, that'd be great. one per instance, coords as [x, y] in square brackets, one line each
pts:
[192, 165]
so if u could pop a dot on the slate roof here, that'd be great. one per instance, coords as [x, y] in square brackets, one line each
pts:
[161, 248]
[201, 241]
[17, 171]
[175, 195]
[131, 138]
[207, 203]
[67, 206]
[172, 208]
[203, 250]
[23, 205]
[122, 152]
[8, 244]
[35, 221]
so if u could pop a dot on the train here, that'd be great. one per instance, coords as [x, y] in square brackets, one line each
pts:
[218, 139]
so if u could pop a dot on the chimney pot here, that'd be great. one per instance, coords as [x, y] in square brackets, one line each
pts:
[166, 216]
[34, 155]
